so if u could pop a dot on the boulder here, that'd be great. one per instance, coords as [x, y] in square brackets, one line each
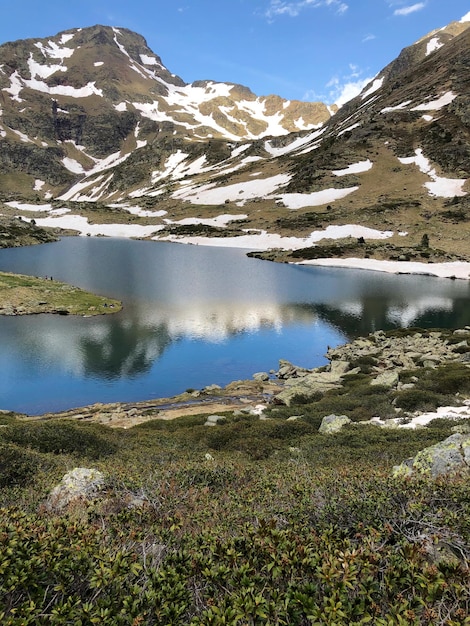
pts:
[261, 376]
[79, 485]
[386, 379]
[445, 457]
[212, 420]
[332, 424]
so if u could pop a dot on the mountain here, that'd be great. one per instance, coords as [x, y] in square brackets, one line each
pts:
[93, 123]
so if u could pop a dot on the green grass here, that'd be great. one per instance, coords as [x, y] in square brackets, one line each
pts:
[29, 294]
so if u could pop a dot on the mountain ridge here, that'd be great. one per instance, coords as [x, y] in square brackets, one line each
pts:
[395, 159]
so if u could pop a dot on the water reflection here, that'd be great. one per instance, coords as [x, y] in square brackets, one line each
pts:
[193, 316]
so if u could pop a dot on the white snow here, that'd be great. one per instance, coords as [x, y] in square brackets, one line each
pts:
[433, 44]
[22, 136]
[54, 51]
[443, 412]
[377, 84]
[435, 105]
[441, 187]
[122, 106]
[398, 107]
[316, 198]
[294, 145]
[147, 60]
[66, 37]
[80, 224]
[465, 18]
[457, 269]
[220, 220]
[352, 127]
[261, 240]
[355, 168]
[98, 63]
[38, 184]
[427, 118]
[135, 210]
[72, 165]
[20, 206]
[15, 86]
[43, 71]
[206, 194]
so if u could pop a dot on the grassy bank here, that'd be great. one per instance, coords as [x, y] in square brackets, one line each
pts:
[23, 295]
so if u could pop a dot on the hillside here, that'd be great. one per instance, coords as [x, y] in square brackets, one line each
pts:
[98, 136]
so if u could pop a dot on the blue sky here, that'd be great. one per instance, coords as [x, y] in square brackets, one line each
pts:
[298, 49]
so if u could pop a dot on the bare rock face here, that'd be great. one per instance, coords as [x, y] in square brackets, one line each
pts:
[79, 485]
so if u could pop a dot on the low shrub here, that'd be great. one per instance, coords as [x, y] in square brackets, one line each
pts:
[17, 466]
[418, 400]
[58, 437]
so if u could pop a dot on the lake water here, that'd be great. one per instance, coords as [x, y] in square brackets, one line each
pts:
[193, 316]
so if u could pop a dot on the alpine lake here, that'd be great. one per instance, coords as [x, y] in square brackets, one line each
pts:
[194, 316]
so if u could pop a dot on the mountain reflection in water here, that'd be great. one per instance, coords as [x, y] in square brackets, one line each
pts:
[194, 316]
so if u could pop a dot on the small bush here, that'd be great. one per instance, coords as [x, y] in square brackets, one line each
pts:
[54, 437]
[418, 400]
[17, 467]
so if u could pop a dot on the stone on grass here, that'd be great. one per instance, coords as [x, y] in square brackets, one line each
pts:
[79, 485]
[332, 424]
[211, 420]
[445, 457]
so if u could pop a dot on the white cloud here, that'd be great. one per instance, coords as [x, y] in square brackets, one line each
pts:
[349, 90]
[294, 8]
[341, 90]
[410, 9]
[368, 37]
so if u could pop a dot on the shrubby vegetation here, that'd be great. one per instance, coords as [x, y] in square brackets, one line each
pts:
[247, 522]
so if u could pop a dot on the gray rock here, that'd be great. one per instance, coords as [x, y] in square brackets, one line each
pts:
[212, 420]
[211, 388]
[339, 367]
[80, 484]
[332, 424]
[386, 379]
[450, 455]
[308, 388]
[261, 376]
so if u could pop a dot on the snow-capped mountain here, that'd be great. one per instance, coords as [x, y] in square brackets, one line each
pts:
[94, 124]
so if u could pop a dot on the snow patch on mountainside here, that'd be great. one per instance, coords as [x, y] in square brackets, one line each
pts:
[376, 84]
[316, 198]
[435, 105]
[207, 194]
[441, 187]
[355, 168]
[433, 45]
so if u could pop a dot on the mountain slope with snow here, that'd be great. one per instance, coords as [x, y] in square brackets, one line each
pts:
[92, 122]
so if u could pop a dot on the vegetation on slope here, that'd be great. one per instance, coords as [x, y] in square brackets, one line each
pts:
[247, 522]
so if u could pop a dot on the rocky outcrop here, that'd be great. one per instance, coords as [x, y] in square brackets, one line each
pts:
[448, 456]
[386, 353]
[382, 355]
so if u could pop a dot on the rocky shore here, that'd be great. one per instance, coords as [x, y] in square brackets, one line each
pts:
[392, 361]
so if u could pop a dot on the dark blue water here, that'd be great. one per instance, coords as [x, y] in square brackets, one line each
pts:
[193, 316]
